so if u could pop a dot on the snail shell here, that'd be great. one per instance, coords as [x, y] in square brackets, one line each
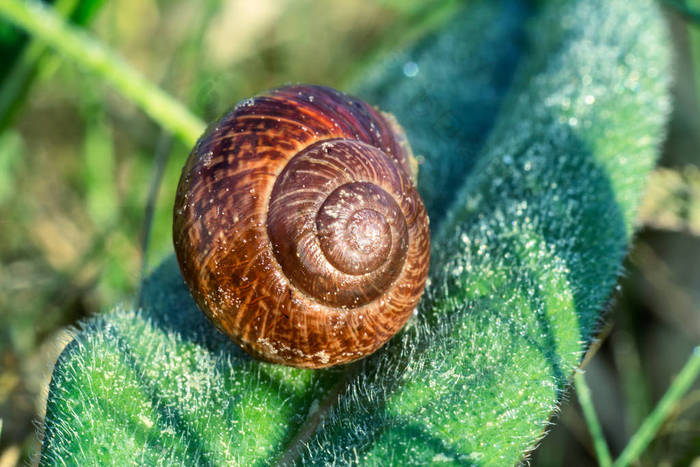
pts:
[298, 227]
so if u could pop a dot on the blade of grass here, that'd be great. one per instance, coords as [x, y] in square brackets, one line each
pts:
[45, 24]
[160, 160]
[645, 434]
[188, 55]
[584, 398]
[632, 380]
[23, 72]
[694, 40]
[35, 59]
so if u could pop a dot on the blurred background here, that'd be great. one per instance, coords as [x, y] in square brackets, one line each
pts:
[87, 182]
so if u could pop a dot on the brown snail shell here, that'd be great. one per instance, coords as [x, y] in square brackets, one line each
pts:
[298, 227]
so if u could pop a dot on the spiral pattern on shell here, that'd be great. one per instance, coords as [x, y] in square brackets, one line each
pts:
[298, 227]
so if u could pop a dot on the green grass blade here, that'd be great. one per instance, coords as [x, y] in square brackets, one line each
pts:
[584, 398]
[645, 434]
[33, 59]
[46, 25]
[694, 40]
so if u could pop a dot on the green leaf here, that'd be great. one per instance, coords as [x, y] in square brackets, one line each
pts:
[528, 254]
[158, 387]
[532, 197]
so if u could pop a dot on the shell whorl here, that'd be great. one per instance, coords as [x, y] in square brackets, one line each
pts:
[298, 227]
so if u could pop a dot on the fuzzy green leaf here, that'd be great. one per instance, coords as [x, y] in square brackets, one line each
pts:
[528, 255]
[159, 387]
[532, 201]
